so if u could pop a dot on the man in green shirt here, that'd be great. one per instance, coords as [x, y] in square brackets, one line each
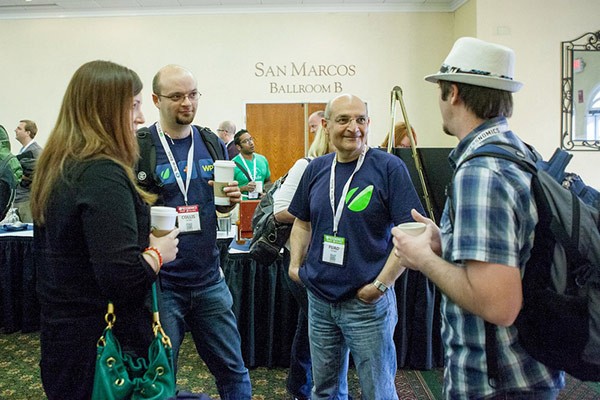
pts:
[252, 169]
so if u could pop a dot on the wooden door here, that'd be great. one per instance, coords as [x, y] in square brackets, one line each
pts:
[281, 132]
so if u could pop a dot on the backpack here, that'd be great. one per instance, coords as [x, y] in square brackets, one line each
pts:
[268, 235]
[8, 185]
[559, 324]
[146, 166]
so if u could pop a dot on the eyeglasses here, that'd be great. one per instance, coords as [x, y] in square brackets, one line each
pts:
[179, 97]
[345, 120]
[250, 139]
[221, 130]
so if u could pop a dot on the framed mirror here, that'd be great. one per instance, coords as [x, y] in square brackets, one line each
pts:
[580, 123]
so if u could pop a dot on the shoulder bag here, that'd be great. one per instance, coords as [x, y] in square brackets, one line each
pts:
[120, 376]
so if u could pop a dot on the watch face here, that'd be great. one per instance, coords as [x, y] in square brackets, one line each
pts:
[379, 285]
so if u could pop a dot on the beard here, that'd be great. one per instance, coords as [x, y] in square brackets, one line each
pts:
[184, 120]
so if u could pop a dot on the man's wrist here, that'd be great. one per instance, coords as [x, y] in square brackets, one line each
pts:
[382, 287]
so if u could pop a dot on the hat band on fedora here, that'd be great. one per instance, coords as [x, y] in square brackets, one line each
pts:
[448, 69]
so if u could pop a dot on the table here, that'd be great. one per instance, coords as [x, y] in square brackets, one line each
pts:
[264, 307]
[19, 307]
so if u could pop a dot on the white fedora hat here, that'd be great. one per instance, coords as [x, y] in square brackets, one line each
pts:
[479, 63]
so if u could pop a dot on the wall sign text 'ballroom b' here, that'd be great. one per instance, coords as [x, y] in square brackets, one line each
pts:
[304, 70]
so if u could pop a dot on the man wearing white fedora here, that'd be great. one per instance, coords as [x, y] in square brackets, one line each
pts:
[477, 259]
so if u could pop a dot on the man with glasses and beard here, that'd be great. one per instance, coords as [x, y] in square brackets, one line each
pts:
[194, 292]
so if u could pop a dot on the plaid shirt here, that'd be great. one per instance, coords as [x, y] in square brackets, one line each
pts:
[495, 218]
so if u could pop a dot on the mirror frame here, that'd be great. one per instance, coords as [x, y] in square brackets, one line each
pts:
[588, 42]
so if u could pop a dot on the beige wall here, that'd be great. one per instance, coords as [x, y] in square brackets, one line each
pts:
[465, 20]
[534, 29]
[222, 50]
[40, 55]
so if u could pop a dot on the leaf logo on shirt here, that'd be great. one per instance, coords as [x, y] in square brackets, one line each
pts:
[166, 174]
[361, 201]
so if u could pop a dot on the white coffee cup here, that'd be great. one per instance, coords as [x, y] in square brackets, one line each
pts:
[223, 175]
[162, 220]
[412, 228]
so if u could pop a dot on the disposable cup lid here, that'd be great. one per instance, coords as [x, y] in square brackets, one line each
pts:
[163, 211]
[224, 163]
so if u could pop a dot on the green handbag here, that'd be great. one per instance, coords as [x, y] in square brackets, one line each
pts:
[119, 376]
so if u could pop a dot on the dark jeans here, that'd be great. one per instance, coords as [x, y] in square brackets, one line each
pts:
[299, 381]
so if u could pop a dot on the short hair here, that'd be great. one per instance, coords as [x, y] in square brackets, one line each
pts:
[320, 114]
[236, 137]
[485, 103]
[30, 126]
[228, 126]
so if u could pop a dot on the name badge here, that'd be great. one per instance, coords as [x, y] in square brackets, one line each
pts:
[334, 249]
[188, 218]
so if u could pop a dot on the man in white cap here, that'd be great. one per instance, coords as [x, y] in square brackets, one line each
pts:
[477, 259]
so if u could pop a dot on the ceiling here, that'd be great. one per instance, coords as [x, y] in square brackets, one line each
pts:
[19, 9]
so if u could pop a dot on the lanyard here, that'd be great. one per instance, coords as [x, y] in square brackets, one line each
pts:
[337, 214]
[190, 162]
[253, 176]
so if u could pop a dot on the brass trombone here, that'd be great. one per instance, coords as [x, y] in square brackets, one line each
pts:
[396, 96]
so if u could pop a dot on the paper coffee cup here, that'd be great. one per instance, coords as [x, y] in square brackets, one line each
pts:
[223, 175]
[162, 220]
[412, 228]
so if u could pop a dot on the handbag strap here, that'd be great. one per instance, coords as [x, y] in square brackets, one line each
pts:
[110, 317]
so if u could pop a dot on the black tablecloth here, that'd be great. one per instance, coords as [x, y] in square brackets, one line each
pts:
[262, 303]
[19, 307]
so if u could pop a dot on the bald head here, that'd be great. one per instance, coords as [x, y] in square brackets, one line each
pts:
[314, 121]
[168, 73]
[226, 131]
[341, 101]
[176, 97]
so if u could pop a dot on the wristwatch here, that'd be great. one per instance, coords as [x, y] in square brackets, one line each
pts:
[380, 286]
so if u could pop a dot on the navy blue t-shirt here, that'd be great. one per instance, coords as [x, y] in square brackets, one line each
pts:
[380, 196]
[197, 263]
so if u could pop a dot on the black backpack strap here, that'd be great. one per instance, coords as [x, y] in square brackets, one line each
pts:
[241, 167]
[216, 147]
[146, 165]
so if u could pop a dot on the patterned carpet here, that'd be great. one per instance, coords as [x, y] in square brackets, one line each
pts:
[19, 376]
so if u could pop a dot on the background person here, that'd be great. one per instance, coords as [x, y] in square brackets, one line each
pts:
[9, 177]
[314, 121]
[226, 131]
[401, 138]
[252, 169]
[28, 155]
[195, 294]
[299, 381]
[476, 261]
[341, 250]
[92, 225]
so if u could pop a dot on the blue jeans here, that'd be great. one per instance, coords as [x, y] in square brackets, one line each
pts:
[366, 330]
[207, 313]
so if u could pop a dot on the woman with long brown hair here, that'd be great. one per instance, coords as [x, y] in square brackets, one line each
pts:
[92, 224]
